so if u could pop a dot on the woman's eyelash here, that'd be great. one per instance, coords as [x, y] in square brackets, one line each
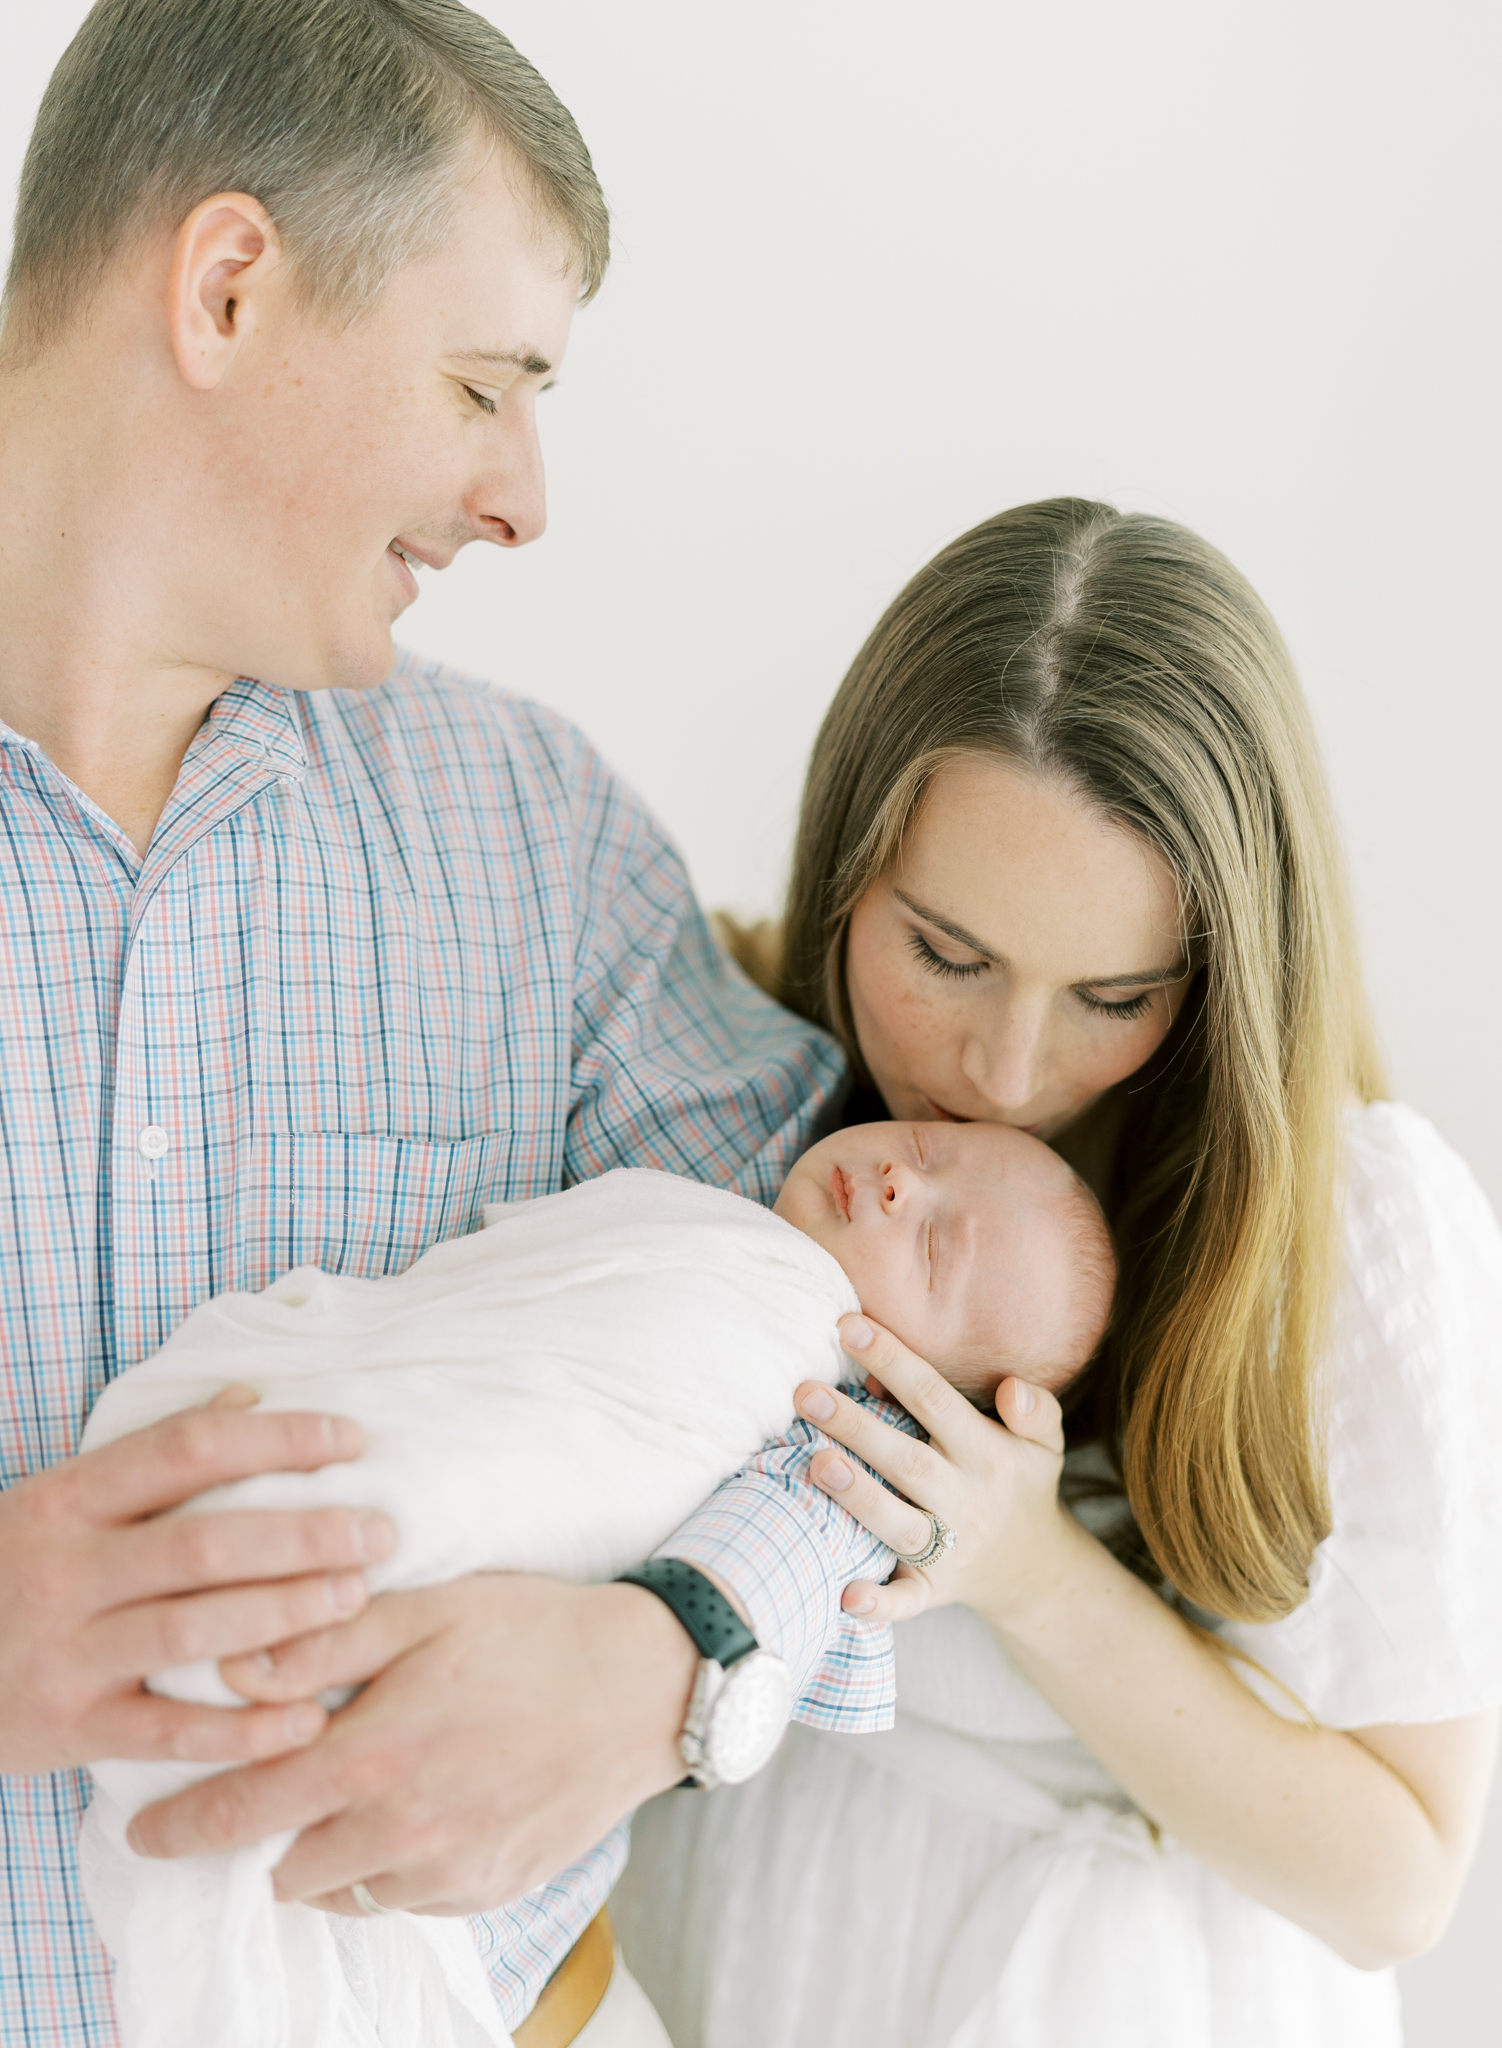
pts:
[485, 404]
[1135, 1006]
[966, 970]
[954, 970]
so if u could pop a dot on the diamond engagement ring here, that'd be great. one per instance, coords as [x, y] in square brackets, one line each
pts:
[941, 1539]
[366, 1903]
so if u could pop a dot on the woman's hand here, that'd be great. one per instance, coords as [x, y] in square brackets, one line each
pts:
[996, 1484]
[1361, 1837]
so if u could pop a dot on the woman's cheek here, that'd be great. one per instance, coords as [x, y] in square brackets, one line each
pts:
[1120, 1056]
[892, 1018]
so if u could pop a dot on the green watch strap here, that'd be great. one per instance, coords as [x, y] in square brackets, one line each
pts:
[716, 1628]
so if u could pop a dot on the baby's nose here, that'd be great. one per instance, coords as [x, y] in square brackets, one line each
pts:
[894, 1179]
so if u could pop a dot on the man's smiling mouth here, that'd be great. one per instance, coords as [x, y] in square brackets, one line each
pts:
[411, 560]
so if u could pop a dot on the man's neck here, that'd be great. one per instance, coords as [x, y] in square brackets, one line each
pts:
[84, 669]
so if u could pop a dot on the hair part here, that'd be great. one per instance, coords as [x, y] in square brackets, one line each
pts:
[351, 122]
[1124, 657]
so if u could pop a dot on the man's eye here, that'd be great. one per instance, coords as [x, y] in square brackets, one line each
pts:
[485, 404]
[951, 970]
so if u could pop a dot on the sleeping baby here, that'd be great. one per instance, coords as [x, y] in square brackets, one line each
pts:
[556, 1393]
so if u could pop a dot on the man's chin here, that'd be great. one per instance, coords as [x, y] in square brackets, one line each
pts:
[352, 664]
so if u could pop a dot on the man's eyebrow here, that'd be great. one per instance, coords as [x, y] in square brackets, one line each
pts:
[527, 360]
[1152, 977]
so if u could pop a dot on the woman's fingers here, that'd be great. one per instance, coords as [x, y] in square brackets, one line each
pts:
[1032, 1413]
[910, 1466]
[926, 1395]
[892, 1521]
[904, 1595]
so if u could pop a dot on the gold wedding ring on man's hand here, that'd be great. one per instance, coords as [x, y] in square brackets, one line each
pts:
[941, 1539]
[361, 1895]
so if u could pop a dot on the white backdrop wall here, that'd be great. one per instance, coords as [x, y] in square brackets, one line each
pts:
[883, 270]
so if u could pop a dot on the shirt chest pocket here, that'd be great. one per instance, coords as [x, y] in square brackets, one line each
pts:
[366, 1205]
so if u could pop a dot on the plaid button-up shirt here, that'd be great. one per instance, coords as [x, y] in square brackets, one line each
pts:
[388, 957]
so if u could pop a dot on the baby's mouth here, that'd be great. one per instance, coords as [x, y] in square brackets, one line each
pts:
[839, 1190]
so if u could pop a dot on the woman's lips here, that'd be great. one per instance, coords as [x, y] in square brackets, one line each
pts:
[940, 1115]
[839, 1189]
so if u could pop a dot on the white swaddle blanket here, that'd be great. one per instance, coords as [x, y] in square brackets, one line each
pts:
[554, 1393]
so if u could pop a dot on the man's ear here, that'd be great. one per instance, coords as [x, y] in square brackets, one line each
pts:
[224, 256]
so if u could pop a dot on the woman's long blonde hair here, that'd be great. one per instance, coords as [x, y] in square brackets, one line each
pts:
[1122, 656]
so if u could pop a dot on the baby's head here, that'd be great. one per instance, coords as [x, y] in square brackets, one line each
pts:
[973, 1243]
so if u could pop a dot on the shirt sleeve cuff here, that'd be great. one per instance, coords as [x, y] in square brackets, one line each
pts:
[787, 1552]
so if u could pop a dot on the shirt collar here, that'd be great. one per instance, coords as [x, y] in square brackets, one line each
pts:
[260, 722]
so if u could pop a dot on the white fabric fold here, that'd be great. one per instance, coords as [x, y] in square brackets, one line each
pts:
[555, 1393]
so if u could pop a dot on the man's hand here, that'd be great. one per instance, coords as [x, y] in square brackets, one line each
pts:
[97, 1591]
[509, 1723]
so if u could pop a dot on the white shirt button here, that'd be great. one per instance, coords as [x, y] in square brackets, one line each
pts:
[153, 1142]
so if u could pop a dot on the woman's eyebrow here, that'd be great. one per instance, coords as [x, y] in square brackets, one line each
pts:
[1153, 978]
[947, 925]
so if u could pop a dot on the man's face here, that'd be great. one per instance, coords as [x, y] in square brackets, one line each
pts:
[328, 448]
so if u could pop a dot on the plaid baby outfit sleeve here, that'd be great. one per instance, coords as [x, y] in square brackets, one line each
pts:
[388, 957]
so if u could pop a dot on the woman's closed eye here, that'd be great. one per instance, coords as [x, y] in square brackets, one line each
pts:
[1134, 1006]
[935, 962]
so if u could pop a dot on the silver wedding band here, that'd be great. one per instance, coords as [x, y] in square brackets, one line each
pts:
[941, 1539]
[366, 1903]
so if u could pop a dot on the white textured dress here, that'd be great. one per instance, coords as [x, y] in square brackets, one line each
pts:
[973, 1878]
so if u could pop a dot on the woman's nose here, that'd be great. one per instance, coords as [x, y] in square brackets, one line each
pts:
[1006, 1067]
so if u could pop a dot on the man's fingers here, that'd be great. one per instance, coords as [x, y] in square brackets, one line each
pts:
[149, 1729]
[903, 1596]
[892, 1521]
[160, 1467]
[410, 1891]
[155, 1635]
[307, 1664]
[182, 1553]
[327, 1860]
[235, 1808]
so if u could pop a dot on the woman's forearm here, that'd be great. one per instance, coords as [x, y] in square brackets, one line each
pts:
[1309, 1821]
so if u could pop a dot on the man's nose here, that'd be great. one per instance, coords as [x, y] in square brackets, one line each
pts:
[509, 503]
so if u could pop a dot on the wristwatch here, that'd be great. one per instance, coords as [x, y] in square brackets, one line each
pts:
[742, 1695]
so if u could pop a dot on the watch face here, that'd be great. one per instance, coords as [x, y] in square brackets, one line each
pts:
[748, 1716]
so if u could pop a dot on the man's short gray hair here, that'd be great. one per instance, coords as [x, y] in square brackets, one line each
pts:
[347, 119]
